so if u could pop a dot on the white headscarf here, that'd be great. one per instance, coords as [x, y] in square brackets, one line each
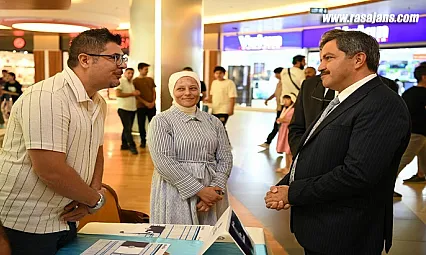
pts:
[172, 83]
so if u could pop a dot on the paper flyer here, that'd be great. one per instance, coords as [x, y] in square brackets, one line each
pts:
[116, 247]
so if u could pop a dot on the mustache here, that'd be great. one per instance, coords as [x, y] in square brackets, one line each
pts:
[324, 72]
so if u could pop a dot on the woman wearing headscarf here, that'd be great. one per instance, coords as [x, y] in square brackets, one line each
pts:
[192, 159]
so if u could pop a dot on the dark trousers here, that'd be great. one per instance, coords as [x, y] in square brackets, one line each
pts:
[23, 243]
[275, 130]
[222, 117]
[142, 114]
[127, 119]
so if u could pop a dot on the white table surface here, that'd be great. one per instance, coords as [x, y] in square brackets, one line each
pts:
[99, 228]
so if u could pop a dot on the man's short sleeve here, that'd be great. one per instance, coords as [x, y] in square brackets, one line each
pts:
[232, 91]
[44, 120]
[119, 87]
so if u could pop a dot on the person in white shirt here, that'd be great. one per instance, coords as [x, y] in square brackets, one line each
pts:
[223, 93]
[292, 78]
[126, 103]
[52, 155]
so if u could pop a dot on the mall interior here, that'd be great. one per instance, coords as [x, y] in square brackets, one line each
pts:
[250, 39]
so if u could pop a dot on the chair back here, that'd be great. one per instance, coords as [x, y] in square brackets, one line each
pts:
[110, 212]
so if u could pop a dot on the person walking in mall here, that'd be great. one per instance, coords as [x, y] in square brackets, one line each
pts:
[415, 98]
[223, 93]
[126, 104]
[342, 178]
[282, 143]
[12, 87]
[145, 101]
[292, 78]
[276, 95]
[52, 155]
[192, 159]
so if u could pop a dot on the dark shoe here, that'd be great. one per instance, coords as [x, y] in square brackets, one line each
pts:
[134, 151]
[396, 194]
[416, 179]
[143, 144]
[124, 147]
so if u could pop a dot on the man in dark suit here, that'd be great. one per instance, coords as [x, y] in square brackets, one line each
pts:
[313, 98]
[341, 182]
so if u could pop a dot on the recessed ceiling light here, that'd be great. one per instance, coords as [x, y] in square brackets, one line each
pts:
[4, 27]
[50, 27]
[123, 26]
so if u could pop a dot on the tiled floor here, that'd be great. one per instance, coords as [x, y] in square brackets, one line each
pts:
[254, 173]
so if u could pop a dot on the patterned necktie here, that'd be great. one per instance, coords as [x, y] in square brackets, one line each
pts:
[324, 114]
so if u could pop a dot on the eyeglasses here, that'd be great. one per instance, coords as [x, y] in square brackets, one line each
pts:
[118, 59]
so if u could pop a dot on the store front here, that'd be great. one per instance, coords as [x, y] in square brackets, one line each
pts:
[16, 56]
[251, 59]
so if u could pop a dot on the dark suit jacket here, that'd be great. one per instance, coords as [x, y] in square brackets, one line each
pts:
[342, 195]
[310, 103]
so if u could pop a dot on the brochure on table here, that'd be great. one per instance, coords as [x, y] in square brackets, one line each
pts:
[115, 247]
[229, 224]
[228, 229]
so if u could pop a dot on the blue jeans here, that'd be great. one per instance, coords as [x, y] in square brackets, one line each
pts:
[23, 243]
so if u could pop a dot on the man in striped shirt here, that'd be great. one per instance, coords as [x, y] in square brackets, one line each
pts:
[52, 158]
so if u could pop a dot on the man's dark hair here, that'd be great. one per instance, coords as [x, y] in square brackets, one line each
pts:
[423, 63]
[188, 69]
[354, 42]
[91, 41]
[219, 68]
[419, 72]
[313, 68]
[278, 70]
[130, 69]
[4, 71]
[13, 75]
[142, 65]
[298, 58]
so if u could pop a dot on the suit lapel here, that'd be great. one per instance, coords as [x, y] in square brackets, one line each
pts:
[353, 99]
[330, 94]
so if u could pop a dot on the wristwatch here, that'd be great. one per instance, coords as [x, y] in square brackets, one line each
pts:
[98, 204]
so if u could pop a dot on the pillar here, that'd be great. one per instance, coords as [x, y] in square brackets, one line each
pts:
[168, 35]
[47, 56]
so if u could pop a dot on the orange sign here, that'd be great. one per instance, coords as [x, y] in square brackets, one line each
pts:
[19, 43]
[419, 56]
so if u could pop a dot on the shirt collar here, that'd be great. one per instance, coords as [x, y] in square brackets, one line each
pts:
[125, 80]
[76, 85]
[185, 117]
[352, 88]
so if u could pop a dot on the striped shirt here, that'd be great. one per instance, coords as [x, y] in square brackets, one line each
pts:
[56, 115]
[177, 138]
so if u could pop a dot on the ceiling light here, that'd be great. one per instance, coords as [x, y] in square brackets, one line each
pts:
[49, 27]
[285, 9]
[4, 27]
[123, 26]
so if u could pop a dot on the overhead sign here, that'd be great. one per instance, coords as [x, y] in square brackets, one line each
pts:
[384, 33]
[381, 33]
[272, 41]
[318, 11]
[260, 42]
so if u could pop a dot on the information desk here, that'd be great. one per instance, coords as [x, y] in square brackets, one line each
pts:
[92, 232]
